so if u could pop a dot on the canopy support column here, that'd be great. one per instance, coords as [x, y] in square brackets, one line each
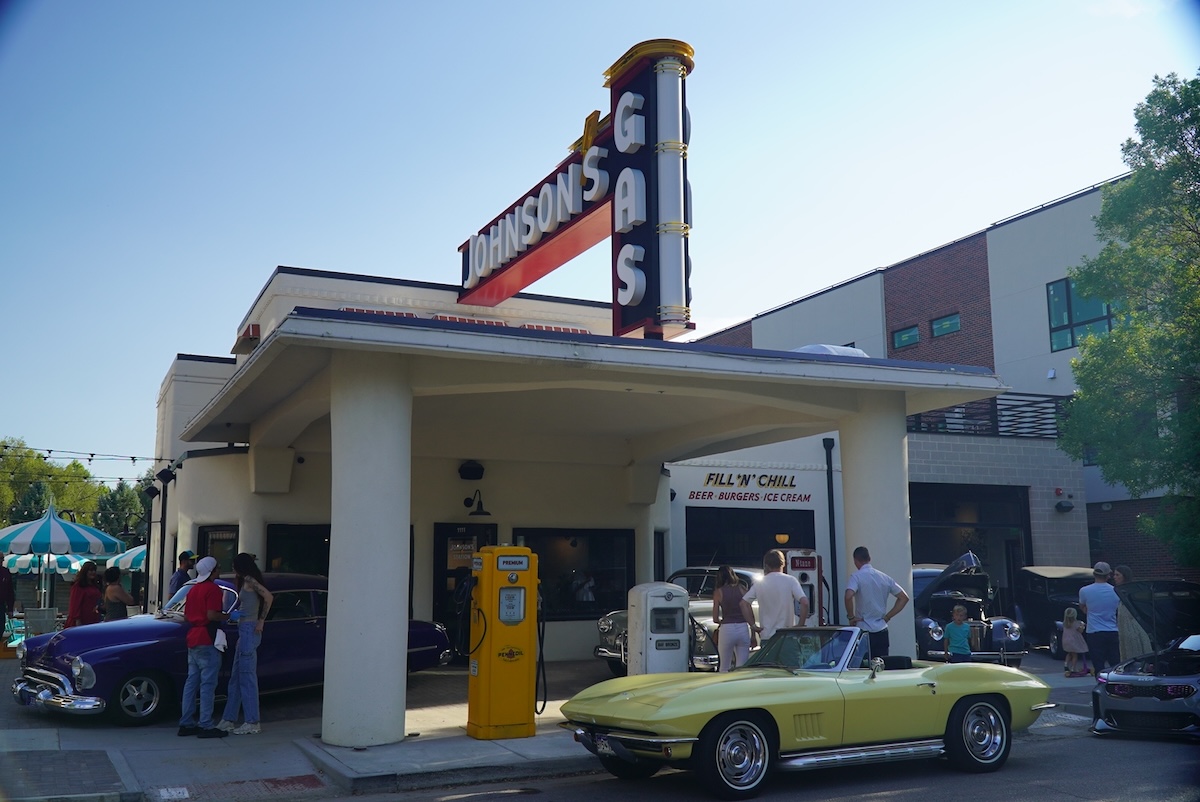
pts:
[874, 445]
[367, 626]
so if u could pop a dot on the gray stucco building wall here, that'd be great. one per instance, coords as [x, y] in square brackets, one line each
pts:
[1059, 538]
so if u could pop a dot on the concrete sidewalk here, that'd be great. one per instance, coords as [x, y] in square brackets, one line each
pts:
[44, 757]
[48, 758]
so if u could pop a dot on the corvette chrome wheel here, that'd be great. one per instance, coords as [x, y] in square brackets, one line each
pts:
[977, 735]
[735, 754]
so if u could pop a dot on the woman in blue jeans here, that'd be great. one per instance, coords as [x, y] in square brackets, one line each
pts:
[254, 602]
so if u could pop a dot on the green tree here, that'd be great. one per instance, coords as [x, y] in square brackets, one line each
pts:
[1137, 409]
[32, 503]
[119, 511]
[20, 467]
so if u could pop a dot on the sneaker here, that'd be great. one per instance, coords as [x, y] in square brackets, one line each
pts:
[225, 725]
[248, 729]
[186, 731]
[212, 733]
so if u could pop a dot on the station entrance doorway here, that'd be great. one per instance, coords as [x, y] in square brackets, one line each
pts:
[453, 545]
[742, 535]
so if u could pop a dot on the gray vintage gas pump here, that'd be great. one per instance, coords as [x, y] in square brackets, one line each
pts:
[658, 628]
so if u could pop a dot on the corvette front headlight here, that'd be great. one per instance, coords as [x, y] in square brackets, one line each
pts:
[21, 652]
[605, 625]
[935, 631]
[1014, 631]
[83, 674]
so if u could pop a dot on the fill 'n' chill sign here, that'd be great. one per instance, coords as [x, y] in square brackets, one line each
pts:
[626, 179]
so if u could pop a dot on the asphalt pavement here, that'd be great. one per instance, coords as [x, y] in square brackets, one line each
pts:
[45, 757]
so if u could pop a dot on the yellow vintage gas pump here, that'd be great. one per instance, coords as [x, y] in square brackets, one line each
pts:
[503, 659]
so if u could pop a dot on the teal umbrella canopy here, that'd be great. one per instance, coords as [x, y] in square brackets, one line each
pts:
[65, 564]
[52, 535]
[132, 560]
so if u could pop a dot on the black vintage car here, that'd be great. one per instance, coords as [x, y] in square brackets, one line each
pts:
[1042, 593]
[937, 591]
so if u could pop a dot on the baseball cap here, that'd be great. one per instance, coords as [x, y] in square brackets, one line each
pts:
[205, 567]
[1102, 569]
[187, 555]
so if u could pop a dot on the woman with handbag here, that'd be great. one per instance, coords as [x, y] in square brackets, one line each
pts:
[254, 602]
[734, 638]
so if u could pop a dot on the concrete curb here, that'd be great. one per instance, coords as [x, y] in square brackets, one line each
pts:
[133, 792]
[359, 783]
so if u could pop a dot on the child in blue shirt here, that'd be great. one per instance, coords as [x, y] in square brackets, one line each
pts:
[958, 636]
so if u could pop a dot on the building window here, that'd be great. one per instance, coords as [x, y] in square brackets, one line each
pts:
[945, 325]
[220, 543]
[1071, 317]
[905, 337]
[584, 573]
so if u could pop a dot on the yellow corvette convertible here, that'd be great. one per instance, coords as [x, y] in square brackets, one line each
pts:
[811, 697]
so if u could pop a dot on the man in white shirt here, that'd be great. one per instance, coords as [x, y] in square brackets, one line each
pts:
[779, 595]
[866, 599]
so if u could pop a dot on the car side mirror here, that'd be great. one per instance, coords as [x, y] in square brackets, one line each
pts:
[876, 666]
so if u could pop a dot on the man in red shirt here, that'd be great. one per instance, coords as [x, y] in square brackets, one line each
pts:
[204, 611]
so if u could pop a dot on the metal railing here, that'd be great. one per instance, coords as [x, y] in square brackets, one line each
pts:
[1008, 415]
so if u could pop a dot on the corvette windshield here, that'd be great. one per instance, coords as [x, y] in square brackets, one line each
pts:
[812, 649]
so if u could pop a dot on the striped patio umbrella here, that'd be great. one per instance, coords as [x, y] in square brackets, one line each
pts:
[52, 535]
[65, 564]
[132, 560]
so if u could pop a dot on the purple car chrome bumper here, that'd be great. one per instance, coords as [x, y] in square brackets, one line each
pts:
[46, 690]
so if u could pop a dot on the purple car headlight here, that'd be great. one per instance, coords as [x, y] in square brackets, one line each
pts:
[1121, 689]
[83, 674]
[1180, 691]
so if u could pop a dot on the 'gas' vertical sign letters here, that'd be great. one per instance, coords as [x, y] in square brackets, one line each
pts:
[626, 178]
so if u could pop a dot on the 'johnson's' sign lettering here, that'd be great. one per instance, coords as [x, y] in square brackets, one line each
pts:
[625, 179]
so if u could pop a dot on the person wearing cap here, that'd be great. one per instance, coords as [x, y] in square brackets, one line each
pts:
[187, 562]
[1099, 602]
[204, 611]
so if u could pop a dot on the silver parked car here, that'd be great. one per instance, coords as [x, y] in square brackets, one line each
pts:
[700, 583]
[1156, 693]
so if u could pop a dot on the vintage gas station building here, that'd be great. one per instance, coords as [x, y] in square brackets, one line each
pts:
[357, 413]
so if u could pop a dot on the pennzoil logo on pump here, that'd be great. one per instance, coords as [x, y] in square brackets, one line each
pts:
[510, 654]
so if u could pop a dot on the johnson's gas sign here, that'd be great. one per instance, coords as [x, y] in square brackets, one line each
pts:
[626, 178]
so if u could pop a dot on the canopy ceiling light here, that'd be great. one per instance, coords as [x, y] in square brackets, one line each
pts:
[477, 500]
[782, 538]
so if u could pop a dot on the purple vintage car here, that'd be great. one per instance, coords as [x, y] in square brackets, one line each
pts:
[134, 669]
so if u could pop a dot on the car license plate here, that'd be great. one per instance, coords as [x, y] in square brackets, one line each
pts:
[602, 746]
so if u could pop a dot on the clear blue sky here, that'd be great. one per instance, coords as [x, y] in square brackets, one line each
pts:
[158, 160]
